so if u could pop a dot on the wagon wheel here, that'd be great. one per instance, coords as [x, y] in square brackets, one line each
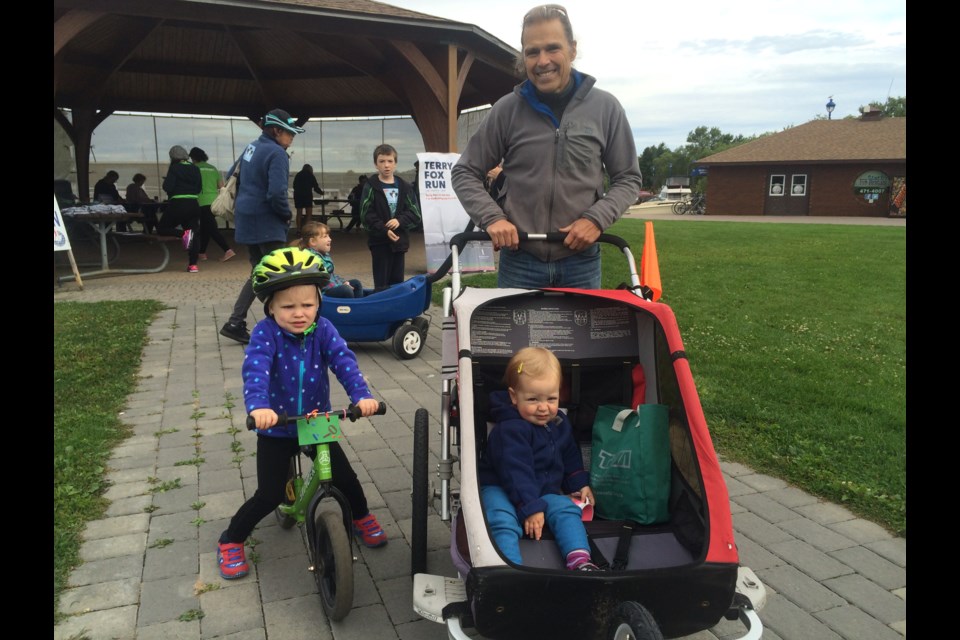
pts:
[422, 324]
[632, 621]
[408, 342]
[421, 492]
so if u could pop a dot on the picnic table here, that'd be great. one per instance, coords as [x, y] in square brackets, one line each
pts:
[103, 224]
[338, 212]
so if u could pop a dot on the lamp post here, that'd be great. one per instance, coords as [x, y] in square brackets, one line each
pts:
[831, 105]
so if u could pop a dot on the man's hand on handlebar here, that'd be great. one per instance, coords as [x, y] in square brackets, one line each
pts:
[581, 234]
[503, 233]
[368, 406]
[264, 418]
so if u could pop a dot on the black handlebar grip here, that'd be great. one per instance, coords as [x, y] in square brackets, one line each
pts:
[252, 424]
[353, 411]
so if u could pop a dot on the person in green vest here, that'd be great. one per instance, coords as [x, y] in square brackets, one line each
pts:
[209, 230]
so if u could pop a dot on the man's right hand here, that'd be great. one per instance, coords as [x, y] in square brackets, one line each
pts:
[503, 234]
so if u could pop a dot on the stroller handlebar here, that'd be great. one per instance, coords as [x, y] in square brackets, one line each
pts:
[461, 239]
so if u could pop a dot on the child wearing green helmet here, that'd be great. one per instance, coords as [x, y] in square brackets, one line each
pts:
[285, 371]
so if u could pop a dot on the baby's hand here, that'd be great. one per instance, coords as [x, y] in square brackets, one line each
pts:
[533, 525]
[587, 496]
[264, 418]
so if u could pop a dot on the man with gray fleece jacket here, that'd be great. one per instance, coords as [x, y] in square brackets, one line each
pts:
[556, 134]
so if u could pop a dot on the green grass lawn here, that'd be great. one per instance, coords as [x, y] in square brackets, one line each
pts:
[96, 356]
[796, 336]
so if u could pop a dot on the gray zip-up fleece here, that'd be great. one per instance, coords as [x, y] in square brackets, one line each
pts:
[554, 170]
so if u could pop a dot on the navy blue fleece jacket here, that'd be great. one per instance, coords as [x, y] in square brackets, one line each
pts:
[529, 461]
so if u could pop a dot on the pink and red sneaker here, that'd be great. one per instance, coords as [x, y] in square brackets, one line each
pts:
[232, 560]
[368, 530]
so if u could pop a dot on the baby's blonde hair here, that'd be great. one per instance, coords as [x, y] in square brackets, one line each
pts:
[310, 230]
[535, 362]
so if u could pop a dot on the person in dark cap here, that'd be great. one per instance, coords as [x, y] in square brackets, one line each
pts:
[262, 211]
[182, 185]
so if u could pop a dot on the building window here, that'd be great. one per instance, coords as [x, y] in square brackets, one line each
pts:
[798, 185]
[776, 185]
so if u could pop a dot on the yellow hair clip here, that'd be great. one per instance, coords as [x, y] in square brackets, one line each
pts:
[520, 368]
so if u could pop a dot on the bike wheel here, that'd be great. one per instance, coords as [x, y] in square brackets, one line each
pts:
[632, 621]
[284, 520]
[333, 565]
[421, 489]
[679, 208]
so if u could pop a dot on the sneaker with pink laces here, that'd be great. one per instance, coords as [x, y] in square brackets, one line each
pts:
[232, 560]
[187, 239]
[193, 269]
[202, 256]
[369, 532]
[229, 254]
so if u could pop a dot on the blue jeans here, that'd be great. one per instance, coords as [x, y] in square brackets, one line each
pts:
[562, 516]
[522, 270]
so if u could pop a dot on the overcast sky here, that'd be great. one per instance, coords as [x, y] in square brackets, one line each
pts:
[746, 67]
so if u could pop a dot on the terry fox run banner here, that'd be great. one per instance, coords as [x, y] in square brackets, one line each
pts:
[444, 216]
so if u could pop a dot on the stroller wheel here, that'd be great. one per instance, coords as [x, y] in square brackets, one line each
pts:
[632, 621]
[421, 492]
[408, 342]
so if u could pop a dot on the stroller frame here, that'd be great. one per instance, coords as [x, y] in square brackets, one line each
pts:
[684, 575]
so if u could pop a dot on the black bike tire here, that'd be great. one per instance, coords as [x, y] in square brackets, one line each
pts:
[333, 565]
[421, 489]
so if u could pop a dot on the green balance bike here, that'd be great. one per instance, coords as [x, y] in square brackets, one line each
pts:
[327, 533]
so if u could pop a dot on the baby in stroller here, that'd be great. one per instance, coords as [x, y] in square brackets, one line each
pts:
[531, 460]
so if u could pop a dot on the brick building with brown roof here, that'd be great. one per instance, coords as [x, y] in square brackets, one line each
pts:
[849, 167]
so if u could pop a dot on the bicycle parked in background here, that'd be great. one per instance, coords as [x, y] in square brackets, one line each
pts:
[697, 205]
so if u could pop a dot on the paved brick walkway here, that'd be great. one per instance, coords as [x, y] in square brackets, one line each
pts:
[151, 560]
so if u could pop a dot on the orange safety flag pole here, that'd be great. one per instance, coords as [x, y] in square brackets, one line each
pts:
[649, 266]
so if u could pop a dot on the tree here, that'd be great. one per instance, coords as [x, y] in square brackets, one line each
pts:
[703, 142]
[659, 163]
[893, 107]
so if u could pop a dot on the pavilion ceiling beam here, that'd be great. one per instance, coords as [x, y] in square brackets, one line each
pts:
[126, 44]
[70, 24]
[468, 61]
[424, 68]
[245, 53]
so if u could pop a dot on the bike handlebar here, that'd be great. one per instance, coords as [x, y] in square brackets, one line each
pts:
[352, 412]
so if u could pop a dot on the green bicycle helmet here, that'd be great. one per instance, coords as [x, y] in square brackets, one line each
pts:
[287, 267]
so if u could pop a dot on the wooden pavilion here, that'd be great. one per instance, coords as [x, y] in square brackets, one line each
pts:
[313, 58]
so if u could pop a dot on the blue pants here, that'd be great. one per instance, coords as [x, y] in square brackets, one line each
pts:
[562, 516]
[519, 269]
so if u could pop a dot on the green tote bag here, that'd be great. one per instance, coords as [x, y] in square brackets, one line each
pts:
[630, 463]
